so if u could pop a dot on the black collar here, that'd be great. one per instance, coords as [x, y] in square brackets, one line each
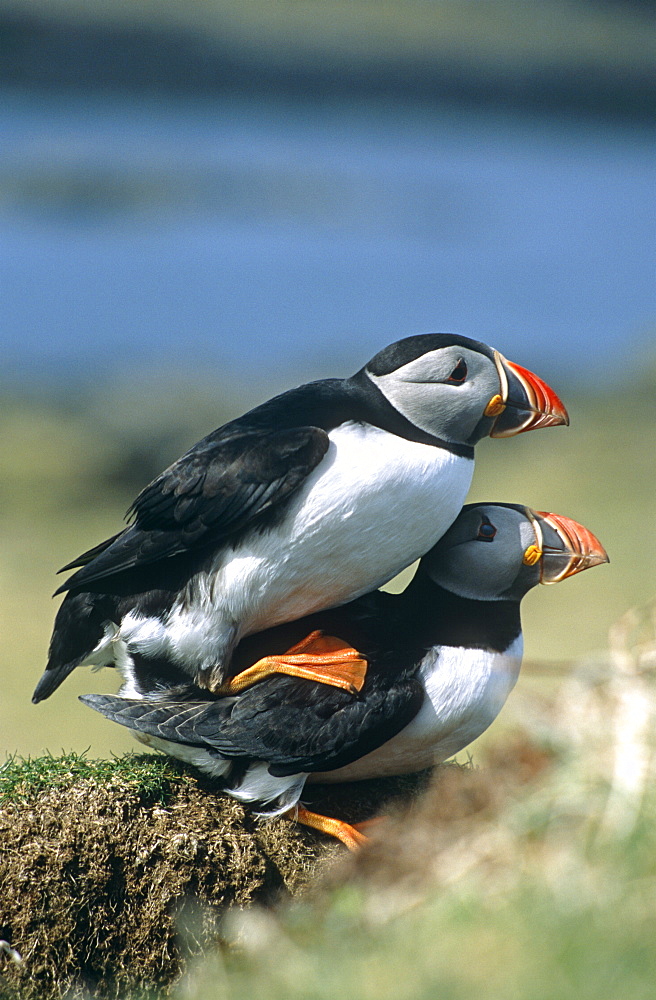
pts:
[435, 616]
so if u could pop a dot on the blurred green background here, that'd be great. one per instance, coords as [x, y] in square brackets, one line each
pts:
[204, 203]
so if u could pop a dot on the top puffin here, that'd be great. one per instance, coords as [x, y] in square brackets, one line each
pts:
[306, 502]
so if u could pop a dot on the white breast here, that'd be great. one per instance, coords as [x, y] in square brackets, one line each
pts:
[465, 691]
[375, 503]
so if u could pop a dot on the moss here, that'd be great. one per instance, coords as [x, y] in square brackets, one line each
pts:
[114, 873]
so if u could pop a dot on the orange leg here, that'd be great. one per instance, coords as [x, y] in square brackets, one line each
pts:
[318, 657]
[349, 835]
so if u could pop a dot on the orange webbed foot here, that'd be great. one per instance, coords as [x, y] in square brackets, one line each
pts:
[317, 657]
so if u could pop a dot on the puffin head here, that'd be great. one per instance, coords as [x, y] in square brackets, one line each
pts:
[461, 390]
[499, 551]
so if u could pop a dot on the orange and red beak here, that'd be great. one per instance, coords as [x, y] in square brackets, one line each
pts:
[567, 547]
[524, 403]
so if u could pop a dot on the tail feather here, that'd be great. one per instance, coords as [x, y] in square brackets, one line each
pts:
[176, 721]
[90, 554]
[79, 628]
[51, 679]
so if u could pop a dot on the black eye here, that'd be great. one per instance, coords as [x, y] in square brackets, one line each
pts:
[459, 373]
[487, 531]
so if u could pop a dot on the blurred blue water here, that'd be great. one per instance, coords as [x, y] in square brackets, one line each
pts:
[244, 236]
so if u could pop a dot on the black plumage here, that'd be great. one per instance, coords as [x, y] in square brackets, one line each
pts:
[210, 494]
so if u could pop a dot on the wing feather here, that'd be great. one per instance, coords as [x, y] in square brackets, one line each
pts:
[222, 485]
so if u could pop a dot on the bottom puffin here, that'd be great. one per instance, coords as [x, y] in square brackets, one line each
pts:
[436, 665]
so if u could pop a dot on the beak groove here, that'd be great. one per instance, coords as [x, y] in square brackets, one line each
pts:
[538, 407]
[580, 549]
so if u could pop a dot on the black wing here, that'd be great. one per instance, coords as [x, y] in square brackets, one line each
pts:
[221, 485]
[300, 726]
[293, 725]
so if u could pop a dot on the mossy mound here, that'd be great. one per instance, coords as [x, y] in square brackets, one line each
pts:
[113, 873]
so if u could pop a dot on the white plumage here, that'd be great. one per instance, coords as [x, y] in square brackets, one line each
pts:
[465, 691]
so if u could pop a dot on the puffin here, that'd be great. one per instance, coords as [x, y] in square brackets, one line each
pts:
[307, 502]
[442, 658]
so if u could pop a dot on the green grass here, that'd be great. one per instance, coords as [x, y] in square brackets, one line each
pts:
[22, 778]
[529, 945]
